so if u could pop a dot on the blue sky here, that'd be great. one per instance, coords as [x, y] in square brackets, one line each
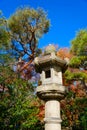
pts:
[67, 17]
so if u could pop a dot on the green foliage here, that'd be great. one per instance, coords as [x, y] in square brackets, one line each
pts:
[78, 61]
[75, 62]
[26, 26]
[79, 43]
[4, 35]
[74, 112]
[16, 98]
[71, 76]
[28, 19]
[82, 103]
[16, 102]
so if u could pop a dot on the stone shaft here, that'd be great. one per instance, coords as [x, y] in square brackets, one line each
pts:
[52, 115]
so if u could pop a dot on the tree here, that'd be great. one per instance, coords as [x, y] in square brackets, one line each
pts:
[79, 60]
[79, 43]
[26, 26]
[18, 104]
[74, 105]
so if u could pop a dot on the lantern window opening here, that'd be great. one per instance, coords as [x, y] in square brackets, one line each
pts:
[47, 74]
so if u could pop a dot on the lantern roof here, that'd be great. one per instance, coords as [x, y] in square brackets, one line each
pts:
[49, 60]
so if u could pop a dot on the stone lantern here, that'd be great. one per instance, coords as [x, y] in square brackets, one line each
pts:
[51, 89]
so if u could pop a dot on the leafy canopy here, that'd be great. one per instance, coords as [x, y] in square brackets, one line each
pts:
[27, 25]
[4, 35]
[79, 43]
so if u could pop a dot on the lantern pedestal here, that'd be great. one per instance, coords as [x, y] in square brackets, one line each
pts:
[51, 94]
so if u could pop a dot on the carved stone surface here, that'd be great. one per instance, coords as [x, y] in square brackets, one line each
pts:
[52, 115]
[50, 91]
[49, 49]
